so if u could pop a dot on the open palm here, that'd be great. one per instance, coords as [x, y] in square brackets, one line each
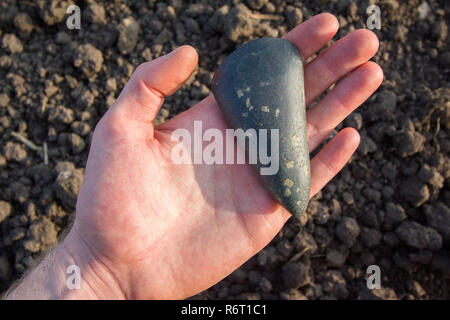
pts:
[163, 230]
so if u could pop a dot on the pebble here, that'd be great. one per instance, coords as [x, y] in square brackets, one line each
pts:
[238, 23]
[128, 35]
[408, 143]
[295, 275]
[347, 231]
[5, 210]
[438, 217]
[11, 43]
[40, 236]
[89, 59]
[418, 236]
[67, 186]
[394, 213]
[14, 151]
[95, 13]
[414, 191]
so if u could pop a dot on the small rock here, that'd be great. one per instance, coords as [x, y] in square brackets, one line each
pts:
[164, 37]
[295, 275]
[431, 176]
[385, 107]
[394, 213]
[4, 100]
[238, 276]
[304, 242]
[366, 146]
[95, 13]
[414, 191]
[372, 194]
[423, 10]
[322, 215]
[11, 43]
[5, 62]
[89, 59]
[217, 21]
[347, 230]
[5, 210]
[14, 152]
[165, 12]
[62, 37]
[76, 143]
[292, 294]
[294, 16]
[147, 54]
[370, 219]
[438, 217]
[19, 191]
[128, 35]
[335, 258]
[285, 248]
[62, 166]
[24, 23]
[377, 294]
[354, 120]
[192, 26]
[256, 4]
[418, 236]
[333, 283]
[238, 23]
[81, 128]
[421, 256]
[415, 288]
[265, 285]
[52, 12]
[67, 186]
[60, 114]
[439, 30]
[40, 236]
[249, 296]
[391, 239]
[370, 237]
[408, 143]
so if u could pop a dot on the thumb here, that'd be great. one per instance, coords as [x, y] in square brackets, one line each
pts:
[144, 93]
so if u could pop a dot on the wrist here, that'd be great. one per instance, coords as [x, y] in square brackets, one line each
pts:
[96, 279]
[69, 271]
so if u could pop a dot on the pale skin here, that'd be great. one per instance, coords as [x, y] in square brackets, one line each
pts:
[147, 228]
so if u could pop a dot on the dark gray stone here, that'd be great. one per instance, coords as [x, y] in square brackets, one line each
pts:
[260, 86]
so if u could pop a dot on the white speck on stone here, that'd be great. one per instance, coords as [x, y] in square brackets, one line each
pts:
[265, 109]
[290, 164]
[277, 112]
[295, 141]
[288, 183]
[287, 192]
[239, 93]
[248, 104]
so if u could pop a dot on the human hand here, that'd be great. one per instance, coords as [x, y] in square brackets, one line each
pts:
[149, 228]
